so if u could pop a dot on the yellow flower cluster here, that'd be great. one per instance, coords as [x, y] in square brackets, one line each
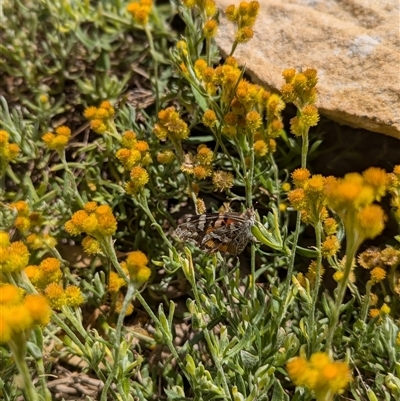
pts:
[199, 165]
[320, 374]
[394, 190]
[300, 89]
[244, 16]
[140, 10]
[14, 256]
[308, 196]
[100, 118]
[59, 140]
[170, 126]
[58, 297]
[8, 151]
[134, 152]
[36, 241]
[206, 9]
[94, 220]
[19, 314]
[246, 105]
[136, 267]
[27, 221]
[46, 278]
[352, 199]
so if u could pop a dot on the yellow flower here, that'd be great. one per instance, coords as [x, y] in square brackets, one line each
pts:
[320, 374]
[378, 274]
[330, 246]
[202, 172]
[90, 112]
[10, 294]
[115, 282]
[210, 28]
[63, 131]
[98, 126]
[330, 226]
[139, 176]
[300, 176]
[338, 276]
[17, 317]
[141, 146]
[385, 310]
[378, 179]
[165, 157]
[128, 139]
[55, 295]
[137, 258]
[222, 180]
[371, 221]
[50, 271]
[374, 313]
[14, 258]
[297, 198]
[73, 296]
[91, 246]
[39, 309]
[260, 148]
[209, 118]
[204, 155]
[253, 120]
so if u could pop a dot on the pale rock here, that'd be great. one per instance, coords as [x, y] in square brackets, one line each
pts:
[354, 45]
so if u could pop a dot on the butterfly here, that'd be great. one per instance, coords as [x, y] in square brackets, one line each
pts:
[227, 232]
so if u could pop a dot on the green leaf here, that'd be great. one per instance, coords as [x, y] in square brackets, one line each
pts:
[278, 393]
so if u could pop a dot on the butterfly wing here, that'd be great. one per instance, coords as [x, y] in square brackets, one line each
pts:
[213, 232]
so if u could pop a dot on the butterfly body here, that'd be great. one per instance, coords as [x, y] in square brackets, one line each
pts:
[227, 232]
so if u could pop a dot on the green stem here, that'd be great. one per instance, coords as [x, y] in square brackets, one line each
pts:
[365, 305]
[128, 298]
[304, 152]
[218, 365]
[154, 56]
[167, 337]
[18, 348]
[314, 296]
[351, 250]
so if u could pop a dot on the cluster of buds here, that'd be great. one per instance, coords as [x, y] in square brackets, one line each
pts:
[59, 140]
[207, 9]
[46, 277]
[320, 374]
[140, 11]
[170, 126]
[199, 165]
[134, 152]
[246, 105]
[94, 220]
[244, 16]
[352, 199]
[380, 264]
[394, 190]
[133, 156]
[100, 117]
[300, 89]
[19, 314]
[8, 151]
[29, 224]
